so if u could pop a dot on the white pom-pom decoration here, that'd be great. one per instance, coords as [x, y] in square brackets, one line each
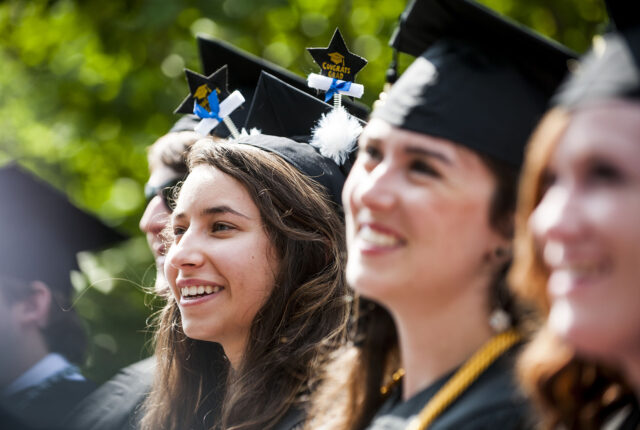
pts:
[336, 135]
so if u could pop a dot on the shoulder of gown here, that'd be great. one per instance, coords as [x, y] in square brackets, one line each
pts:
[115, 405]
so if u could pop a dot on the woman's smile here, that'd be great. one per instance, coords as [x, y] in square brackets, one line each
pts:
[374, 239]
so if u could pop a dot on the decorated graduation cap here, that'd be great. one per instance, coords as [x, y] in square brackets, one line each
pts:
[612, 68]
[338, 69]
[42, 231]
[480, 80]
[244, 71]
[210, 100]
[306, 132]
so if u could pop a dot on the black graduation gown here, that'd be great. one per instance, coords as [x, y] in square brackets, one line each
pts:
[115, 405]
[46, 406]
[491, 402]
[632, 420]
[292, 420]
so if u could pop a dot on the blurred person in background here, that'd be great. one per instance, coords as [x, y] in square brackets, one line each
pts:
[42, 339]
[578, 242]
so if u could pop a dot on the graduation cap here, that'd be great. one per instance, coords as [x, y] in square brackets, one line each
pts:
[308, 133]
[244, 72]
[42, 231]
[612, 68]
[244, 68]
[480, 80]
[624, 14]
[210, 100]
[338, 69]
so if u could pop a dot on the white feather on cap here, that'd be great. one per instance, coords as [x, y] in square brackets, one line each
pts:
[336, 135]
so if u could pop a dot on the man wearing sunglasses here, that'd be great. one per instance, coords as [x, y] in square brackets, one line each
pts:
[168, 168]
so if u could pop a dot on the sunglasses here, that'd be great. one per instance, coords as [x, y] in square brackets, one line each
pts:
[166, 192]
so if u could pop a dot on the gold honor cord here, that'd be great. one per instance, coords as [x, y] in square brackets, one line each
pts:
[465, 376]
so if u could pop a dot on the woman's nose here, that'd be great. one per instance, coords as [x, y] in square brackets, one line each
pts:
[557, 216]
[187, 253]
[375, 189]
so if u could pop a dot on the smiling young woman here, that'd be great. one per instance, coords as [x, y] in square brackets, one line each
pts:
[577, 246]
[256, 271]
[429, 207]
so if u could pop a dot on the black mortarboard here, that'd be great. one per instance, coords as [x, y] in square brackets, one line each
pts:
[42, 231]
[480, 80]
[244, 72]
[280, 109]
[612, 68]
[623, 14]
[286, 118]
[244, 68]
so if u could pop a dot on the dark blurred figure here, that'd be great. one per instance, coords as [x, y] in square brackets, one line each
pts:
[41, 337]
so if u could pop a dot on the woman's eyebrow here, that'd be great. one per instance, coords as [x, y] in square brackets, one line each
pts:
[221, 210]
[416, 150]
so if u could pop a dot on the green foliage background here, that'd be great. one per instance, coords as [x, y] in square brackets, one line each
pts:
[86, 86]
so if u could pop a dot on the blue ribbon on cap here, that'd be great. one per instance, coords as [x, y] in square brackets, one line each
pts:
[336, 86]
[213, 104]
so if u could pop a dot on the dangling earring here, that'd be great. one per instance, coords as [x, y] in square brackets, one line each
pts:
[500, 320]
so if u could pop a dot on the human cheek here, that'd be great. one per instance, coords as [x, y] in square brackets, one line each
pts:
[619, 224]
[355, 177]
[170, 271]
[155, 217]
[350, 206]
[546, 219]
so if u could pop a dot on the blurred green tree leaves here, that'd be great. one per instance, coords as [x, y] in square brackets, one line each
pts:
[86, 86]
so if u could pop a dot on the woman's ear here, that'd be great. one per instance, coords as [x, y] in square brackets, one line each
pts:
[34, 308]
[501, 247]
[499, 252]
[502, 254]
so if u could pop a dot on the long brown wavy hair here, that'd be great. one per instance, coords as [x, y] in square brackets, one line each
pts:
[304, 318]
[567, 389]
[351, 394]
